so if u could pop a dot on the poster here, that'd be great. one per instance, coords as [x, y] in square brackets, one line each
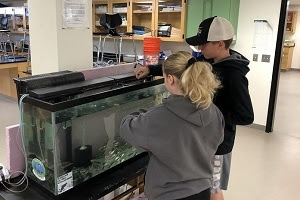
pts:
[75, 14]
[263, 33]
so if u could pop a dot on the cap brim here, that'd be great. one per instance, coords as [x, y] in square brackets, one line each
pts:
[195, 41]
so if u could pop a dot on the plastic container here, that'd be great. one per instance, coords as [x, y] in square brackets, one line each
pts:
[151, 50]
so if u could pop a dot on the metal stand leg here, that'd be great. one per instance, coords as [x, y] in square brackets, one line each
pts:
[1, 45]
[99, 48]
[120, 50]
[134, 48]
[116, 48]
[102, 48]
[28, 59]
[11, 46]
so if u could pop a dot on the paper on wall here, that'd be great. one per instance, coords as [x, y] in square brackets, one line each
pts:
[263, 33]
[75, 14]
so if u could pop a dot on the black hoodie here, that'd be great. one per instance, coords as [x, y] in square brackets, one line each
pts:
[232, 98]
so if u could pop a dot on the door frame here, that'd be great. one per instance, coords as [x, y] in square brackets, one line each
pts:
[276, 66]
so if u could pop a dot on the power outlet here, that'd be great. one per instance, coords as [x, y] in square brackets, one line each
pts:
[265, 58]
[255, 57]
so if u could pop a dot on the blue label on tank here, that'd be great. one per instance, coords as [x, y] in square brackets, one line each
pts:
[38, 169]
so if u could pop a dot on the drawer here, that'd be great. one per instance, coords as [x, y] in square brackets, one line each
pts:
[22, 66]
[284, 61]
[286, 50]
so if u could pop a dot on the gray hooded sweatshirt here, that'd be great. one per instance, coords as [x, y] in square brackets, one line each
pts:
[181, 141]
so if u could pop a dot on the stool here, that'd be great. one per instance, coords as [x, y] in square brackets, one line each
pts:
[118, 40]
[3, 43]
[110, 22]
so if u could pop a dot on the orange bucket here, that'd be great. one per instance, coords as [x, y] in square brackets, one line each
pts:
[151, 50]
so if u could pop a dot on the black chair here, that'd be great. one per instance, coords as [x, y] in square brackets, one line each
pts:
[110, 22]
[3, 23]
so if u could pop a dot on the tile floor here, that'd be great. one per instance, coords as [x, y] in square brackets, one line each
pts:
[265, 166]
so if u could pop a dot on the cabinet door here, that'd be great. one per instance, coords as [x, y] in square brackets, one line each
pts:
[121, 7]
[198, 10]
[194, 15]
[142, 17]
[99, 9]
[228, 9]
[170, 20]
[291, 22]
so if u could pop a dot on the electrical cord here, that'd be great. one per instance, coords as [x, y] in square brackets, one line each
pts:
[18, 184]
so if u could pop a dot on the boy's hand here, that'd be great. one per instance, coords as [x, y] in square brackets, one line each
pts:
[141, 72]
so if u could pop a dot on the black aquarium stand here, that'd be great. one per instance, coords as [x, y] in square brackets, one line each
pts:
[91, 190]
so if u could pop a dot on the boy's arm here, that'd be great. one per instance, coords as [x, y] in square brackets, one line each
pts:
[155, 70]
[242, 110]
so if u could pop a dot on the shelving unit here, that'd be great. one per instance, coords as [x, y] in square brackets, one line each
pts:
[291, 22]
[143, 15]
[172, 12]
[99, 9]
[121, 7]
[146, 16]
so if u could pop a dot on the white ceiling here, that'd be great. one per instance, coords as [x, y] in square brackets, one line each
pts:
[294, 2]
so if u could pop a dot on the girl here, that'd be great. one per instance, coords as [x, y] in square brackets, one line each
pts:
[181, 134]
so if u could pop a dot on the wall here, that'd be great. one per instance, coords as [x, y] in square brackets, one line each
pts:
[54, 48]
[296, 38]
[260, 74]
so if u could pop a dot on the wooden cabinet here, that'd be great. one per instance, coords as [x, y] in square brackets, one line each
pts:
[8, 72]
[171, 12]
[198, 10]
[145, 17]
[99, 9]
[291, 22]
[286, 60]
[23, 66]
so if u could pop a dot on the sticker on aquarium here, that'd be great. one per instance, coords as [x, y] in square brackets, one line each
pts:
[65, 182]
[38, 169]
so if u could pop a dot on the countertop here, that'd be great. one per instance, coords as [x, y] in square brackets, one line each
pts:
[10, 59]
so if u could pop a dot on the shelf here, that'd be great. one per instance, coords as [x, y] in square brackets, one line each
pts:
[173, 39]
[19, 32]
[98, 25]
[142, 12]
[122, 12]
[171, 11]
[100, 13]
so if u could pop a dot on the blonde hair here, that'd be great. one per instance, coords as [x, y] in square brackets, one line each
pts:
[197, 82]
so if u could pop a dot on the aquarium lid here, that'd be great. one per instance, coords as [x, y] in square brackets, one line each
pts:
[70, 89]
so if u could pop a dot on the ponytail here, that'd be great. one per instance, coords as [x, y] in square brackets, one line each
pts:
[197, 81]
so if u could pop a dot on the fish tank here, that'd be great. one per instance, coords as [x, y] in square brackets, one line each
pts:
[71, 140]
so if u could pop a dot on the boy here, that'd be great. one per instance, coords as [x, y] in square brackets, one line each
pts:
[214, 37]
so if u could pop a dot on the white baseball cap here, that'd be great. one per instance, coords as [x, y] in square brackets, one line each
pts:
[212, 29]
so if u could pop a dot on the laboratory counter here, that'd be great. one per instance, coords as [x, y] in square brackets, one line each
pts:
[11, 68]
